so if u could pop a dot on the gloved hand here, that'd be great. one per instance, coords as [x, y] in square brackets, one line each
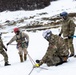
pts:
[37, 61]
[59, 34]
[36, 65]
[5, 49]
[7, 44]
[69, 37]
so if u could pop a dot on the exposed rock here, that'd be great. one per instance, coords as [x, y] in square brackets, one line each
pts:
[13, 5]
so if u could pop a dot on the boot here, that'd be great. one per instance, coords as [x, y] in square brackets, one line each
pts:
[21, 58]
[6, 64]
[25, 57]
[71, 55]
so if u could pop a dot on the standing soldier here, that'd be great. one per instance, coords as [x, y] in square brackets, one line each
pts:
[57, 52]
[2, 51]
[22, 40]
[68, 28]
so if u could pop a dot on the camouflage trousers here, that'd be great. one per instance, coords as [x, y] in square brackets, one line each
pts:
[52, 61]
[69, 44]
[4, 55]
[55, 61]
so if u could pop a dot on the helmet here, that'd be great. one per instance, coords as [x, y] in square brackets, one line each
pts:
[63, 14]
[46, 34]
[16, 29]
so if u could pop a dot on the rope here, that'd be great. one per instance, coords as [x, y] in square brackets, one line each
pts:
[32, 61]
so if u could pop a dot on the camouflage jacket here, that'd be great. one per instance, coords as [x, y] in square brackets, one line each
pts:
[68, 27]
[56, 48]
[21, 38]
[2, 45]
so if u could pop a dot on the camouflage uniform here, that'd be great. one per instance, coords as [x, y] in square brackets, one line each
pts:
[56, 53]
[21, 40]
[68, 28]
[2, 47]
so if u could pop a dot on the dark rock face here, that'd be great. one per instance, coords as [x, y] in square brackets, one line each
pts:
[13, 5]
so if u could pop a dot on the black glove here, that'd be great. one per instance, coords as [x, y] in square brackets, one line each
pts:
[37, 61]
[5, 49]
[7, 44]
[69, 37]
[59, 34]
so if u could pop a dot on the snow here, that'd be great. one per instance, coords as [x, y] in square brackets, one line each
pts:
[37, 45]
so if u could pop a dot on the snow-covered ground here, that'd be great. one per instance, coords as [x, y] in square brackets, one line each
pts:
[37, 45]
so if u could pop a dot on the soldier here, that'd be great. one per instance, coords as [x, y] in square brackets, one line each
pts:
[2, 51]
[57, 52]
[22, 40]
[68, 28]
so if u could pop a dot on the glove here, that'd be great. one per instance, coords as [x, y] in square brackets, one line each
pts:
[7, 44]
[37, 61]
[69, 37]
[5, 49]
[36, 65]
[59, 34]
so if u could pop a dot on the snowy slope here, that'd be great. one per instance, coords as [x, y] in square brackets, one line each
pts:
[37, 45]
[55, 8]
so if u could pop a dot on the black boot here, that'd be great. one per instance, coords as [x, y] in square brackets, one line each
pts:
[71, 55]
[6, 64]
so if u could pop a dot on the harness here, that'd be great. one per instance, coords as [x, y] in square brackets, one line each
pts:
[20, 42]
